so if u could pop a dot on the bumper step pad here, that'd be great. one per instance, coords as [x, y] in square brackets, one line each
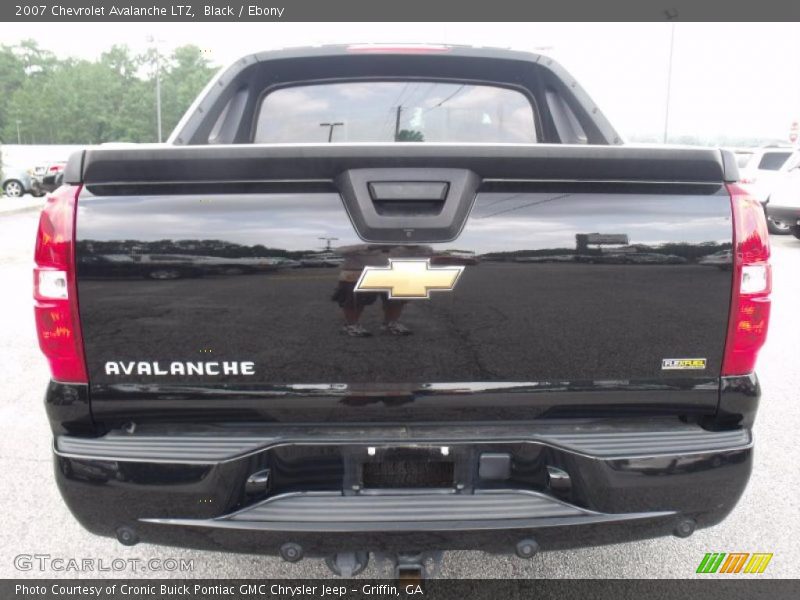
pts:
[429, 507]
[333, 511]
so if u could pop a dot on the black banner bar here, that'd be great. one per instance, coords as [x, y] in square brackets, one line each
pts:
[713, 588]
[396, 10]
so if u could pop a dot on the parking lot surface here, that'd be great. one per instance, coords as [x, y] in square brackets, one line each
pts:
[26, 203]
[34, 521]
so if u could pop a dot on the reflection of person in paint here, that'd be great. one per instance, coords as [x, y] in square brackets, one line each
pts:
[353, 303]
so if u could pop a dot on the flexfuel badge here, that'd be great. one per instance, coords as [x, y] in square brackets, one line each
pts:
[683, 363]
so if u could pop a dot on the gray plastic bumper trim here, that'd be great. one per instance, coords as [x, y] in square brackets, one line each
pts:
[209, 449]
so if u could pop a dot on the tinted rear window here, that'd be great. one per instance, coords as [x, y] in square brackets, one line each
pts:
[772, 161]
[403, 111]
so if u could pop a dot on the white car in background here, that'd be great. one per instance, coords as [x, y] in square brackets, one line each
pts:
[767, 167]
[743, 156]
[784, 202]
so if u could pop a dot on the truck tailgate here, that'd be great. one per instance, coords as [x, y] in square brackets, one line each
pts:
[216, 281]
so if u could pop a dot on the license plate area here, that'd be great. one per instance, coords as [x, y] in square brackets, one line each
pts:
[407, 468]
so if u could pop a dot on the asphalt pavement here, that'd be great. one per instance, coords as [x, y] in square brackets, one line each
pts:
[34, 521]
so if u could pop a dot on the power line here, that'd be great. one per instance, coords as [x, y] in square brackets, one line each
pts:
[400, 95]
[428, 91]
[450, 97]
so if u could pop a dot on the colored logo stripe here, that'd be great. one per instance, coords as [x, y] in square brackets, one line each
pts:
[758, 563]
[711, 562]
[734, 563]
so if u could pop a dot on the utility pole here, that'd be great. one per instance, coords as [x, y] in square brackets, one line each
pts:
[669, 80]
[19, 138]
[330, 128]
[158, 95]
[154, 41]
[397, 123]
[328, 241]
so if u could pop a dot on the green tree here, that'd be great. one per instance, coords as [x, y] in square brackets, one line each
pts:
[12, 75]
[410, 135]
[112, 99]
[81, 102]
[19, 64]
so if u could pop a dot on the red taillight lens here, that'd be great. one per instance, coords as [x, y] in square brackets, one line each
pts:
[752, 284]
[54, 289]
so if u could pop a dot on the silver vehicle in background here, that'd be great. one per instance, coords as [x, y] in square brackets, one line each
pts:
[17, 182]
[784, 202]
[764, 171]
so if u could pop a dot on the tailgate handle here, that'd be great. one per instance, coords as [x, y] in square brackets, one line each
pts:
[408, 205]
[419, 191]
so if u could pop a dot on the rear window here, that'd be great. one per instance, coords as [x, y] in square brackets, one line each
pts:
[772, 161]
[395, 111]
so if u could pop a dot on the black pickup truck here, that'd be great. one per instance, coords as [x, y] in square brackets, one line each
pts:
[400, 300]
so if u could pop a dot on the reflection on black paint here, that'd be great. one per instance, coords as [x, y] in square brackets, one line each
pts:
[187, 258]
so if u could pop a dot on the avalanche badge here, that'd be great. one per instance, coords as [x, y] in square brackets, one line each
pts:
[409, 279]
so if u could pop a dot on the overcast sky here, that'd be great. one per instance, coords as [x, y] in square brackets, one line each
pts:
[739, 79]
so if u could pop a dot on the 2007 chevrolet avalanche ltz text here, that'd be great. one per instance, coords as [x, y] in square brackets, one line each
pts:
[400, 300]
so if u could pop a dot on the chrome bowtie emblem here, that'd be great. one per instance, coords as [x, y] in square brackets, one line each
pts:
[409, 278]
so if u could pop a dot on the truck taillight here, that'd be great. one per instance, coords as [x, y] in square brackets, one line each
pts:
[54, 288]
[752, 284]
